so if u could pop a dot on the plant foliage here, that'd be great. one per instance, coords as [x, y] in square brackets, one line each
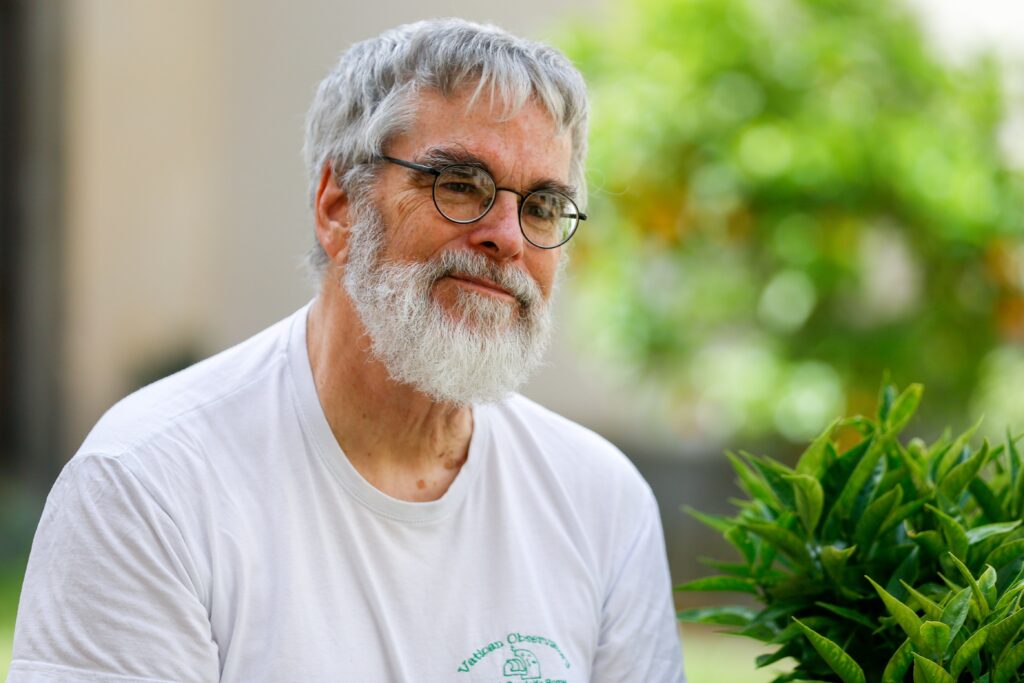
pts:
[890, 560]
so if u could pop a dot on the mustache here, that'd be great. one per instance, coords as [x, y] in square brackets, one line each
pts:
[521, 286]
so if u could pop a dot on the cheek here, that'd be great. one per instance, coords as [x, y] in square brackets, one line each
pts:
[407, 217]
[409, 204]
[544, 269]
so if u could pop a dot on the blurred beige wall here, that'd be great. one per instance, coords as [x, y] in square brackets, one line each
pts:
[145, 121]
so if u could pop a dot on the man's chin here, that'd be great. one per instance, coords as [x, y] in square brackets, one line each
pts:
[479, 323]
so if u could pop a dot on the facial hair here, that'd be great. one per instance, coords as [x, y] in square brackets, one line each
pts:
[478, 352]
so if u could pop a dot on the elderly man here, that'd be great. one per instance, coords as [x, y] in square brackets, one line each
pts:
[355, 494]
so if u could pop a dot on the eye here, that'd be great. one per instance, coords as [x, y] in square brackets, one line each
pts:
[463, 193]
[546, 207]
[459, 188]
[537, 210]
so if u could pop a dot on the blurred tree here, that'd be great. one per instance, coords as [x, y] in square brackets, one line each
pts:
[789, 197]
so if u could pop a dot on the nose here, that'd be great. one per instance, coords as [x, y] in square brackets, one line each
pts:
[498, 232]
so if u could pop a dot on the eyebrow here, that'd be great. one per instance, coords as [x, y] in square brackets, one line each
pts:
[438, 157]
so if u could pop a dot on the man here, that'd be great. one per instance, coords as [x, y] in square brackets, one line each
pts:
[355, 494]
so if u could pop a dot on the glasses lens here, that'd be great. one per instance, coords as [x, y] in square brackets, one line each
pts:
[463, 193]
[548, 218]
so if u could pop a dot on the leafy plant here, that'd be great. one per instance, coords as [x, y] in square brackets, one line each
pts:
[882, 559]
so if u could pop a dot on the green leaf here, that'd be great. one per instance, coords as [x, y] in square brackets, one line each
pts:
[980, 533]
[719, 583]
[886, 399]
[1006, 553]
[935, 637]
[952, 455]
[987, 500]
[906, 572]
[858, 478]
[716, 522]
[757, 631]
[1007, 665]
[967, 651]
[741, 540]
[783, 539]
[795, 587]
[766, 553]
[1001, 633]
[787, 650]
[896, 474]
[927, 671]
[840, 469]
[813, 460]
[851, 614]
[740, 569]
[954, 483]
[952, 531]
[1009, 596]
[904, 616]
[930, 541]
[900, 513]
[873, 517]
[722, 616]
[931, 609]
[913, 458]
[841, 663]
[1011, 449]
[955, 612]
[774, 474]
[987, 584]
[834, 560]
[903, 408]
[792, 631]
[979, 595]
[899, 664]
[809, 500]
[1017, 467]
[940, 446]
[753, 483]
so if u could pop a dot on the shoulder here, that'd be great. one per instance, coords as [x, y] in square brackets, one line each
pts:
[585, 462]
[185, 431]
[185, 400]
[586, 485]
[574, 444]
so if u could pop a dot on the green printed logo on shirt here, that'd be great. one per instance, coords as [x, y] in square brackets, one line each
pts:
[523, 656]
[523, 664]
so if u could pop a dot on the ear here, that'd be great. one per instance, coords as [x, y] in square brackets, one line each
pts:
[331, 215]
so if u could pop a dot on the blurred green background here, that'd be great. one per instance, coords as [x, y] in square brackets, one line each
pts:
[789, 197]
[805, 194]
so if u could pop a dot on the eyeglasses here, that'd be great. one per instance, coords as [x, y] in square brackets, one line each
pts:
[464, 193]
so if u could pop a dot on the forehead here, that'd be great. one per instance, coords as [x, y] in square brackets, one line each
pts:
[523, 147]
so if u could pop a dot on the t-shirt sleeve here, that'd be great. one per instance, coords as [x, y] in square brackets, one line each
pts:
[639, 638]
[111, 592]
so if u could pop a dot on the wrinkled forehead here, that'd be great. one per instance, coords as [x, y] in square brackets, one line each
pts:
[481, 128]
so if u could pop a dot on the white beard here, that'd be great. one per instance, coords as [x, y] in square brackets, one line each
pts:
[477, 353]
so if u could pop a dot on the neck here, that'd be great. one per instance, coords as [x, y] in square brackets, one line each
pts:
[398, 438]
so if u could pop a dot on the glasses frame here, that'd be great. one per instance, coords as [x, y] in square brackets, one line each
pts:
[437, 172]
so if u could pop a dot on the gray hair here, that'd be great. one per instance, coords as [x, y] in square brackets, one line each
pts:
[369, 96]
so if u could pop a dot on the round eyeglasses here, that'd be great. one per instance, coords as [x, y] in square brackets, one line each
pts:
[464, 193]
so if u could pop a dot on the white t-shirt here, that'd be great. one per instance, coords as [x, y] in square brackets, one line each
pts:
[211, 529]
